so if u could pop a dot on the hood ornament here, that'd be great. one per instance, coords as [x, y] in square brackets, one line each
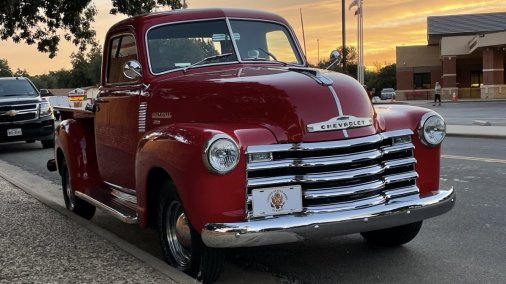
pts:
[340, 123]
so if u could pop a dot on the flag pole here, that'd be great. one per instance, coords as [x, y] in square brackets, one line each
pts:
[343, 18]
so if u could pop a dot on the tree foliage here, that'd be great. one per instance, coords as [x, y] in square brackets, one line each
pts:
[351, 61]
[42, 22]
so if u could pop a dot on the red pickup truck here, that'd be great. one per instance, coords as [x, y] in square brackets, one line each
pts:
[210, 127]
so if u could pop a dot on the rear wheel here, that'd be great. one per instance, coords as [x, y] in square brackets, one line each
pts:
[73, 203]
[182, 246]
[392, 237]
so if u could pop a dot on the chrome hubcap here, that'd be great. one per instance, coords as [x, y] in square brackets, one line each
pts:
[178, 234]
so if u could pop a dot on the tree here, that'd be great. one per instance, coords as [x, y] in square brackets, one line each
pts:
[5, 70]
[351, 60]
[41, 21]
[385, 78]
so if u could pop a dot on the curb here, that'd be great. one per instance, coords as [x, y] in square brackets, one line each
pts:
[48, 193]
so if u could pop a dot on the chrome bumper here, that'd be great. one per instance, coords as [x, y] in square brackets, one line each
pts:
[293, 228]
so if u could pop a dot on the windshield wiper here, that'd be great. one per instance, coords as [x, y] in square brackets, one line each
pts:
[217, 56]
[268, 53]
[275, 59]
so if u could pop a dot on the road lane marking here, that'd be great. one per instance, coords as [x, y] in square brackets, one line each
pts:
[474, 159]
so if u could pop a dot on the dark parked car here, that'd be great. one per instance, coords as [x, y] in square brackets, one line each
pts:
[387, 94]
[24, 115]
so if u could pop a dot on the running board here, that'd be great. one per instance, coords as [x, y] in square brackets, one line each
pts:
[120, 208]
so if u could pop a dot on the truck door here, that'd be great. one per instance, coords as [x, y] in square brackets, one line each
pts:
[117, 116]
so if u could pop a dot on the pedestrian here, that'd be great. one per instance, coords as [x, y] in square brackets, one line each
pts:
[437, 94]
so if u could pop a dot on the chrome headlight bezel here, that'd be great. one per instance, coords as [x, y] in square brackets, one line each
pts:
[221, 144]
[432, 124]
[45, 109]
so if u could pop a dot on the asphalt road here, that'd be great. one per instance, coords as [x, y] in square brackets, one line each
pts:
[465, 245]
[466, 112]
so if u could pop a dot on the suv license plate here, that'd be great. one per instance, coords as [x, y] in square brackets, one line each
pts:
[14, 132]
[277, 200]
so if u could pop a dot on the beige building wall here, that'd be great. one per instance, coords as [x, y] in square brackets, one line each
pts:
[455, 45]
[417, 55]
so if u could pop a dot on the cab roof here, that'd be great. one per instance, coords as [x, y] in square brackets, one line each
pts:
[151, 19]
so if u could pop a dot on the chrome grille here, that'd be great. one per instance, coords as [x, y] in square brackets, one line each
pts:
[338, 175]
[24, 112]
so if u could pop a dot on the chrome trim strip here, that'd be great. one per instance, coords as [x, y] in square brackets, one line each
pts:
[315, 162]
[112, 211]
[339, 144]
[399, 192]
[350, 205]
[339, 107]
[397, 148]
[344, 191]
[400, 177]
[143, 108]
[392, 164]
[299, 227]
[120, 188]
[316, 177]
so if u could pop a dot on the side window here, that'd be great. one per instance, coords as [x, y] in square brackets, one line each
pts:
[121, 49]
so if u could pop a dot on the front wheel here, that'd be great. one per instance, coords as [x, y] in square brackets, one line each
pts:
[182, 246]
[73, 203]
[392, 237]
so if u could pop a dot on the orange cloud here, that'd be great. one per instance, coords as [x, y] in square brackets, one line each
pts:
[387, 24]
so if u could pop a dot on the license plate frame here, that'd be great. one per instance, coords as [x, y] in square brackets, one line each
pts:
[14, 132]
[276, 200]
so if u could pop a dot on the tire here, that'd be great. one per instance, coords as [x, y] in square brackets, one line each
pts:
[47, 143]
[182, 246]
[392, 237]
[72, 202]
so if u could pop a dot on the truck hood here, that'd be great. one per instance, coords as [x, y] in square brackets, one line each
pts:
[295, 104]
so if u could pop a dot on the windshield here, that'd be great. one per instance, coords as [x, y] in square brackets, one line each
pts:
[16, 88]
[179, 46]
[264, 41]
[182, 45]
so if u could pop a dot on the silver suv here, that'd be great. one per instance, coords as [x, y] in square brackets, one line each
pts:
[387, 94]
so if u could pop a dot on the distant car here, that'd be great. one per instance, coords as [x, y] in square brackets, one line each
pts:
[387, 93]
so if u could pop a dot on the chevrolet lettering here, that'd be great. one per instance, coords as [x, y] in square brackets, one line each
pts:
[339, 123]
[240, 143]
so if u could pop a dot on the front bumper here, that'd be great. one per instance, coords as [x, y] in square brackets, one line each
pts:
[293, 228]
[40, 129]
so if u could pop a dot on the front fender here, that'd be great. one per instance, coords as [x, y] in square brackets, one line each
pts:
[392, 117]
[75, 142]
[206, 196]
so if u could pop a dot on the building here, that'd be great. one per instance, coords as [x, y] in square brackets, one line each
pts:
[466, 54]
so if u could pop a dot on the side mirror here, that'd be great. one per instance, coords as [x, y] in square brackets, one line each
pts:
[334, 56]
[132, 69]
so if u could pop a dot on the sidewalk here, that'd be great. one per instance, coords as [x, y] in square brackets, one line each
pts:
[40, 244]
[476, 131]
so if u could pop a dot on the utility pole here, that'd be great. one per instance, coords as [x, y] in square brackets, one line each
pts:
[343, 17]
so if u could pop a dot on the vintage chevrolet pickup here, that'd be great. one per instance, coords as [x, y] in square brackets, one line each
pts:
[210, 127]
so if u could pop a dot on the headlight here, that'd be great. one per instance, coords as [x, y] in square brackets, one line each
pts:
[432, 129]
[45, 109]
[221, 154]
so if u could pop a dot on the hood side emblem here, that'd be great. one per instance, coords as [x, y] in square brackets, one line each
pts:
[340, 123]
[11, 112]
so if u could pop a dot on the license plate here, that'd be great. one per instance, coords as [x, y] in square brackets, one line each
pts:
[277, 200]
[14, 132]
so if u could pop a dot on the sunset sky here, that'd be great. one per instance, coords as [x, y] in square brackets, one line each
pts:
[387, 23]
